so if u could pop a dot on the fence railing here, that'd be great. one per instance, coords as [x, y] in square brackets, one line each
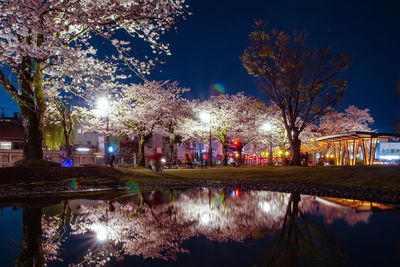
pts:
[9, 156]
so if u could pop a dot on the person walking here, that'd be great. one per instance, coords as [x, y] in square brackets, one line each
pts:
[112, 160]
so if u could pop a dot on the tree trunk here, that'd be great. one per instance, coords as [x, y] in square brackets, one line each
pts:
[171, 150]
[295, 144]
[239, 150]
[68, 125]
[68, 146]
[31, 253]
[141, 159]
[33, 135]
[224, 154]
[33, 106]
[30, 99]
[142, 139]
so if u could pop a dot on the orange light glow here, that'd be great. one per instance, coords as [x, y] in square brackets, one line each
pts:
[236, 192]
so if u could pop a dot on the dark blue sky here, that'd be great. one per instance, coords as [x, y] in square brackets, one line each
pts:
[207, 46]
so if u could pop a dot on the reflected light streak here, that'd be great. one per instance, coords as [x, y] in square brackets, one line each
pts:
[103, 232]
[265, 206]
[205, 218]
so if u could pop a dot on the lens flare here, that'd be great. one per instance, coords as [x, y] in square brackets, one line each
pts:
[132, 188]
[74, 184]
[219, 87]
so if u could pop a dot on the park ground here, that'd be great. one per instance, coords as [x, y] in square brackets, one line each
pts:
[373, 177]
[378, 177]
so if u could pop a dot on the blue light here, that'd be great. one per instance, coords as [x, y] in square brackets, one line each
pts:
[110, 149]
[68, 163]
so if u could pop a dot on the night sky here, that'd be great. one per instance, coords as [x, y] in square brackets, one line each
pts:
[207, 46]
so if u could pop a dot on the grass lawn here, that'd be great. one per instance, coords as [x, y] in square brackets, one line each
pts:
[378, 177]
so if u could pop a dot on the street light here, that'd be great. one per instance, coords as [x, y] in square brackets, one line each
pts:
[206, 118]
[267, 127]
[102, 107]
[102, 110]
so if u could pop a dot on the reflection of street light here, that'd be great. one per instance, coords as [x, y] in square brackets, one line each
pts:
[267, 127]
[206, 118]
[205, 218]
[265, 206]
[102, 110]
[103, 232]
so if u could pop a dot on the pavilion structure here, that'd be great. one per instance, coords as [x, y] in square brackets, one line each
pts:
[346, 146]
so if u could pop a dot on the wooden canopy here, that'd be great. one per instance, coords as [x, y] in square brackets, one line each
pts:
[345, 146]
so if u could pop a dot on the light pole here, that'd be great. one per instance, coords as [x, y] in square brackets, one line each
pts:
[267, 127]
[206, 118]
[102, 110]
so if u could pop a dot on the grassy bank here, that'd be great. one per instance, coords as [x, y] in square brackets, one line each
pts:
[377, 177]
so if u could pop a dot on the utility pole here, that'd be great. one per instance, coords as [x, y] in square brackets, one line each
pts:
[210, 150]
[270, 154]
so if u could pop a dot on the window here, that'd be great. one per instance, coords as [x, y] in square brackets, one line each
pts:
[5, 145]
[79, 131]
[392, 151]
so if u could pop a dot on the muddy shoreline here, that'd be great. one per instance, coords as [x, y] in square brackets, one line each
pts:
[324, 190]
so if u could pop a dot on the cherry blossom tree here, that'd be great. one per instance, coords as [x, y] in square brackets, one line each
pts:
[230, 114]
[310, 145]
[191, 128]
[148, 108]
[59, 113]
[41, 40]
[175, 109]
[352, 119]
[261, 126]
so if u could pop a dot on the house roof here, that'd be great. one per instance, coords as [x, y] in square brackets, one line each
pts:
[355, 135]
[11, 132]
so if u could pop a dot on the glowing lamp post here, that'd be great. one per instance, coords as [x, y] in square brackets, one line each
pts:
[206, 118]
[102, 110]
[267, 127]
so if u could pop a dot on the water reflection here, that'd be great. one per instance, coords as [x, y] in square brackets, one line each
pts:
[31, 253]
[155, 225]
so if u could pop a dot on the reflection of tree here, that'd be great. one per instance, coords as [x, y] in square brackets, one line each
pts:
[302, 241]
[144, 225]
[54, 229]
[149, 231]
[31, 253]
[225, 219]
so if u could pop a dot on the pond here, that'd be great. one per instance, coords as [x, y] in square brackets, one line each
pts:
[198, 227]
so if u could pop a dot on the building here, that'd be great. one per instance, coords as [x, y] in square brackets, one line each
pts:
[388, 150]
[11, 135]
[11, 139]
